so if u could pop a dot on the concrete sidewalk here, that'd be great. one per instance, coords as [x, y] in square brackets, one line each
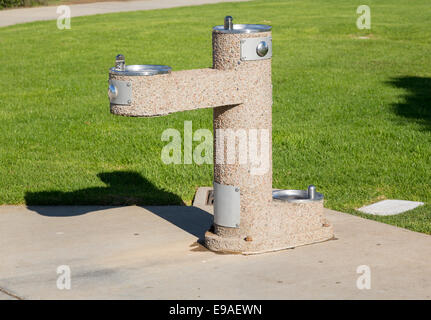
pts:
[151, 253]
[15, 16]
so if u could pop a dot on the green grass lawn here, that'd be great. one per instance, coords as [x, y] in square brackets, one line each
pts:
[352, 116]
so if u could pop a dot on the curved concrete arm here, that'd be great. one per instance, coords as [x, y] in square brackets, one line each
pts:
[184, 90]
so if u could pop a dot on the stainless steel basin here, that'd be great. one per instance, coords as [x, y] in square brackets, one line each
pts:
[141, 70]
[297, 195]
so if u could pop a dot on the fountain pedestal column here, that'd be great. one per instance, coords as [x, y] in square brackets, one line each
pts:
[264, 224]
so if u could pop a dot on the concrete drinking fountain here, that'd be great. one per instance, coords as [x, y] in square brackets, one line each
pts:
[249, 216]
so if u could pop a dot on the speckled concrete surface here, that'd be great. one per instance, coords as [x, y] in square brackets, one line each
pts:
[241, 94]
[183, 90]
[266, 225]
[289, 225]
[256, 113]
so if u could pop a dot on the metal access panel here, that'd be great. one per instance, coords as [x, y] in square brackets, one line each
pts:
[226, 205]
[120, 92]
[251, 48]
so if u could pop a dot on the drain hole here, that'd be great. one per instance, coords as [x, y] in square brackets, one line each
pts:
[210, 198]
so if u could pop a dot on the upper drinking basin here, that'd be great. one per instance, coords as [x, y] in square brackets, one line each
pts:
[243, 28]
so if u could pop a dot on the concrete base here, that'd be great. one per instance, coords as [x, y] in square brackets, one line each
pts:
[264, 245]
[289, 225]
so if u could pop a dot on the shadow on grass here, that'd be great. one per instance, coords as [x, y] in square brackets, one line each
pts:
[417, 101]
[123, 188]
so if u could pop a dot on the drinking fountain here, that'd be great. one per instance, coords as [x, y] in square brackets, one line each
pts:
[249, 216]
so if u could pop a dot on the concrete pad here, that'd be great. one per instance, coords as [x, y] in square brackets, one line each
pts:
[151, 253]
[21, 15]
[390, 207]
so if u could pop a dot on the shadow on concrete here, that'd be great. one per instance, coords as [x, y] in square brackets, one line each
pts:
[66, 211]
[416, 105]
[191, 219]
[123, 188]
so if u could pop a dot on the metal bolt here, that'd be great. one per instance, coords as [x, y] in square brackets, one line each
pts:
[262, 49]
[311, 192]
[129, 84]
[228, 24]
[236, 189]
[120, 62]
[129, 101]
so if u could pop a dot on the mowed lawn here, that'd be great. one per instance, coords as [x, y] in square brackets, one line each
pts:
[351, 113]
